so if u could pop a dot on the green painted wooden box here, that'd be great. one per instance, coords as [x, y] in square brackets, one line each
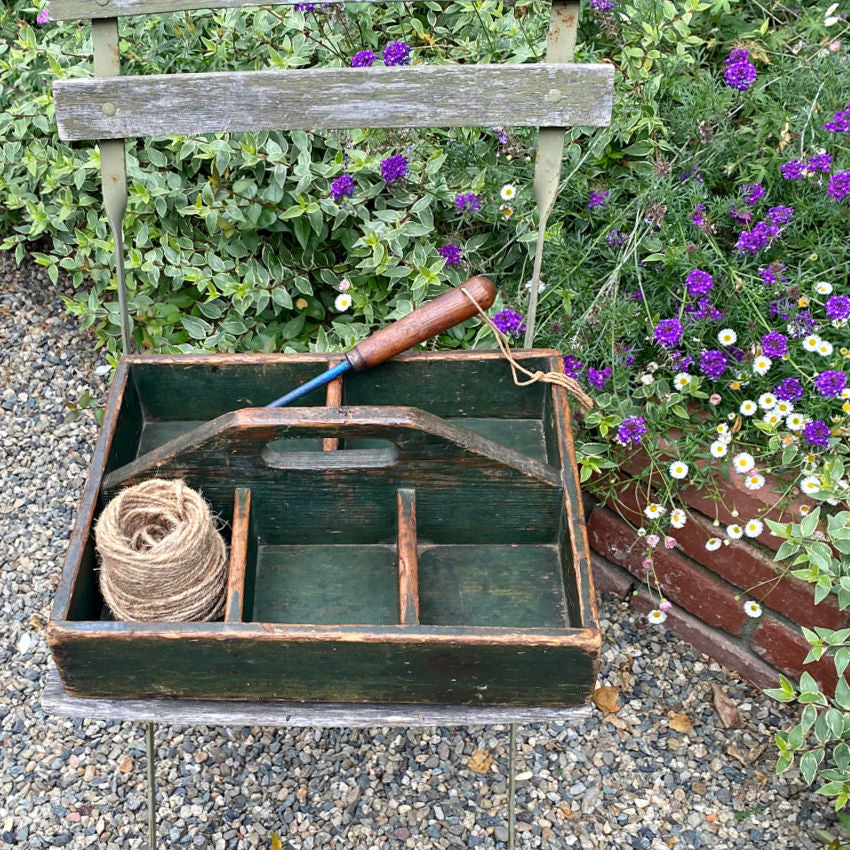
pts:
[414, 535]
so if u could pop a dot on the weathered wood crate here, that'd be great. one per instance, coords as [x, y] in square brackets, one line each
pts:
[415, 535]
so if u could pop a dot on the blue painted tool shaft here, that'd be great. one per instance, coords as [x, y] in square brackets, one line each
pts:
[315, 383]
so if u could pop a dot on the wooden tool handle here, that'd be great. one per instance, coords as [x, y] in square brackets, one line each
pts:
[444, 312]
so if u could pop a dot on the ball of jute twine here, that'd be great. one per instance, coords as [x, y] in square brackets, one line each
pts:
[162, 558]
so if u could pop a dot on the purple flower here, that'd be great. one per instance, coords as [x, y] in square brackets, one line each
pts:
[779, 215]
[396, 53]
[631, 431]
[740, 216]
[840, 122]
[394, 168]
[839, 185]
[780, 308]
[305, 7]
[451, 253]
[817, 433]
[681, 361]
[597, 378]
[740, 72]
[793, 170]
[43, 17]
[752, 193]
[510, 323]
[838, 307]
[668, 332]
[830, 383]
[712, 364]
[468, 201]
[362, 59]
[684, 176]
[616, 239]
[601, 5]
[753, 241]
[703, 310]
[802, 324]
[774, 344]
[597, 199]
[789, 390]
[820, 162]
[572, 366]
[697, 216]
[699, 283]
[774, 273]
[342, 186]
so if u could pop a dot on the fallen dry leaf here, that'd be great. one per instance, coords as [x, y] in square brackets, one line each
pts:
[480, 761]
[681, 723]
[277, 844]
[606, 698]
[736, 754]
[785, 135]
[727, 711]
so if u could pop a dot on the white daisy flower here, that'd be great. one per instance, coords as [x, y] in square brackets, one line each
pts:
[646, 379]
[656, 617]
[805, 510]
[810, 484]
[678, 470]
[727, 337]
[508, 192]
[722, 429]
[825, 348]
[344, 285]
[754, 528]
[678, 518]
[845, 393]
[743, 462]
[767, 401]
[812, 342]
[654, 510]
[718, 448]
[838, 323]
[681, 380]
[713, 544]
[734, 531]
[772, 418]
[752, 608]
[343, 301]
[754, 481]
[748, 408]
[823, 287]
[783, 408]
[761, 365]
[796, 422]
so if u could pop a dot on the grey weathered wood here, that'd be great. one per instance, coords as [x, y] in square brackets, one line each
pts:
[65, 10]
[325, 98]
[54, 700]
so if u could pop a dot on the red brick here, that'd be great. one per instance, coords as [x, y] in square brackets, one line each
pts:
[682, 580]
[785, 648]
[712, 642]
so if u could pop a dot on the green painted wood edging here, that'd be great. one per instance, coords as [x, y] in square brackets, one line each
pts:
[333, 98]
[67, 10]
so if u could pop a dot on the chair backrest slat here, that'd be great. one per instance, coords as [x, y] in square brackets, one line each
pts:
[334, 98]
[74, 10]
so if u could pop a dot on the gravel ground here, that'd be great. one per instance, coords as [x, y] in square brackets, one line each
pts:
[617, 781]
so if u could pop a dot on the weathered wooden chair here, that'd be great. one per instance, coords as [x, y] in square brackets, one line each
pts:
[109, 108]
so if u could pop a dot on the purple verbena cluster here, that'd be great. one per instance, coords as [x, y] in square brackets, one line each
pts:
[631, 430]
[616, 239]
[839, 185]
[802, 324]
[510, 323]
[774, 273]
[752, 193]
[790, 389]
[699, 283]
[837, 307]
[451, 254]
[342, 186]
[713, 364]
[794, 169]
[830, 383]
[597, 378]
[597, 199]
[840, 122]
[820, 162]
[740, 73]
[572, 366]
[362, 59]
[697, 216]
[764, 232]
[468, 201]
[601, 5]
[396, 53]
[668, 332]
[703, 310]
[394, 168]
[774, 344]
[817, 433]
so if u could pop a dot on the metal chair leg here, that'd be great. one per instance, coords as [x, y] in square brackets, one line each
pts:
[152, 843]
[512, 789]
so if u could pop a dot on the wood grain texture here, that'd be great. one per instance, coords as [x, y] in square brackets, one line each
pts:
[279, 714]
[333, 398]
[239, 545]
[66, 10]
[432, 318]
[407, 556]
[331, 98]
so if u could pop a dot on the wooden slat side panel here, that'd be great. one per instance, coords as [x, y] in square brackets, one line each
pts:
[408, 560]
[332, 98]
[239, 546]
[69, 10]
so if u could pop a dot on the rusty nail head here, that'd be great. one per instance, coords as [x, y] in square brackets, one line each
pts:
[108, 109]
[554, 95]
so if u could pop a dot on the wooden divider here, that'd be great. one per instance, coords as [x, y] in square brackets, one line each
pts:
[333, 398]
[408, 563]
[239, 544]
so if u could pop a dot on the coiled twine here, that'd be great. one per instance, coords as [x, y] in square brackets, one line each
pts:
[161, 556]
